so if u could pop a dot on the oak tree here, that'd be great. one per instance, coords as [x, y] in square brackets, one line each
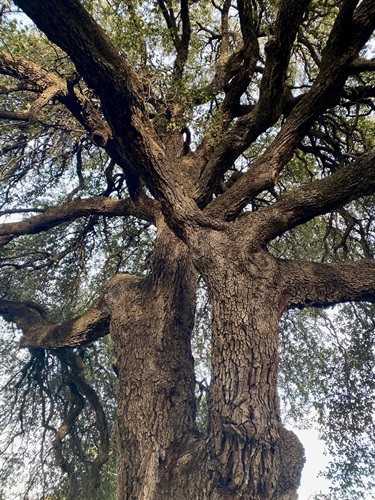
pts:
[224, 142]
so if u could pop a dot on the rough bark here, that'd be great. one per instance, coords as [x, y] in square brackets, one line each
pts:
[151, 326]
[246, 453]
[245, 433]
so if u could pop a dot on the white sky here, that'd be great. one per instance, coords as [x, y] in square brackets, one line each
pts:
[316, 461]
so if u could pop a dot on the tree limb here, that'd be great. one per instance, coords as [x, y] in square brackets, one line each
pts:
[310, 284]
[316, 198]
[340, 51]
[68, 356]
[40, 332]
[71, 211]
[183, 43]
[250, 126]
[135, 141]
[249, 56]
[49, 86]
[361, 64]
[170, 20]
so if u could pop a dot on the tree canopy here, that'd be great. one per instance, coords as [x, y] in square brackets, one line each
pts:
[136, 138]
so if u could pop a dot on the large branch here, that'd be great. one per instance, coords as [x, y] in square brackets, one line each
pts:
[69, 25]
[50, 86]
[310, 284]
[249, 55]
[342, 48]
[184, 41]
[272, 96]
[68, 212]
[361, 64]
[39, 332]
[316, 198]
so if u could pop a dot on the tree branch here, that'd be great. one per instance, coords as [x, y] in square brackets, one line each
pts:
[249, 57]
[76, 365]
[39, 332]
[361, 64]
[316, 198]
[278, 52]
[250, 126]
[71, 211]
[49, 86]
[183, 43]
[357, 94]
[342, 48]
[168, 15]
[310, 284]
[135, 141]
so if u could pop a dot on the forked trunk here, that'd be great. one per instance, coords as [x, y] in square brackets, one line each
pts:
[246, 453]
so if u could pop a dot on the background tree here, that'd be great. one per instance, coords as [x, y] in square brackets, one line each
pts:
[148, 146]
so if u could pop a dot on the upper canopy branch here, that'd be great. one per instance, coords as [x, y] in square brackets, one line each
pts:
[310, 284]
[278, 52]
[70, 211]
[250, 126]
[50, 86]
[136, 143]
[183, 43]
[248, 58]
[324, 93]
[170, 20]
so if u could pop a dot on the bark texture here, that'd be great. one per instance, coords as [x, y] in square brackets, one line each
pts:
[246, 453]
[151, 327]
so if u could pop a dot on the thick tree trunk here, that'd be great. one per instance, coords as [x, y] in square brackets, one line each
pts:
[151, 326]
[244, 414]
[160, 453]
[256, 457]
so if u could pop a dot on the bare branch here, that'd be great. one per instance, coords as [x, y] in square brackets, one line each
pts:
[21, 211]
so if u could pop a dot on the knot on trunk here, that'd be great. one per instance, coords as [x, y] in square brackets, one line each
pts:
[292, 459]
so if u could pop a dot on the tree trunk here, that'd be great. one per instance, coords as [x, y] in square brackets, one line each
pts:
[256, 457]
[151, 327]
[160, 453]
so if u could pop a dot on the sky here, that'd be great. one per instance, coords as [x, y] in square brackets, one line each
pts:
[316, 461]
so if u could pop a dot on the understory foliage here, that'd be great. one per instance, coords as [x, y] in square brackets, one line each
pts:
[202, 72]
